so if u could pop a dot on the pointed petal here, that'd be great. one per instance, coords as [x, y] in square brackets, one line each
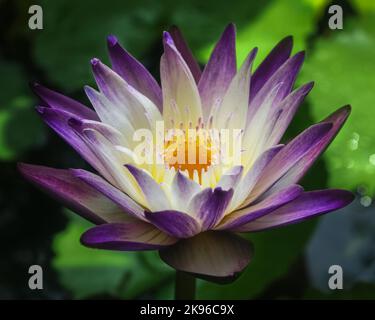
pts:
[279, 54]
[260, 127]
[175, 223]
[101, 139]
[288, 108]
[133, 72]
[251, 178]
[112, 160]
[181, 101]
[267, 205]
[289, 156]
[214, 256]
[209, 206]
[284, 76]
[73, 193]
[108, 113]
[296, 172]
[132, 236]
[58, 120]
[308, 205]
[185, 52]
[219, 71]
[120, 198]
[183, 189]
[232, 112]
[230, 178]
[109, 132]
[58, 101]
[153, 193]
[129, 103]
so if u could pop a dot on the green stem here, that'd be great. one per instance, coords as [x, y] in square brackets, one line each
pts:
[185, 286]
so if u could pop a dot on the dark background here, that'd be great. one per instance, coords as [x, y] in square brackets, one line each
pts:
[289, 263]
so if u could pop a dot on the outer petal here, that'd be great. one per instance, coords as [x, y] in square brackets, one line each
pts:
[120, 198]
[260, 127]
[215, 256]
[232, 112]
[209, 206]
[284, 76]
[132, 236]
[249, 180]
[309, 204]
[111, 159]
[184, 49]
[288, 108]
[58, 120]
[154, 194]
[279, 54]
[74, 193]
[109, 113]
[128, 101]
[269, 204]
[133, 72]
[175, 223]
[58, 101]
[289, 156]
[111, 133]
[297, 171]
[219, 71]
[181, 101]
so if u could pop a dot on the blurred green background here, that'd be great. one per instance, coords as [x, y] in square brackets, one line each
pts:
[289, 263]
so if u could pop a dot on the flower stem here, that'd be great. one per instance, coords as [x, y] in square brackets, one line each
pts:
[185, 286]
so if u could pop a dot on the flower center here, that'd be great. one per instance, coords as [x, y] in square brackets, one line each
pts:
[190, 151]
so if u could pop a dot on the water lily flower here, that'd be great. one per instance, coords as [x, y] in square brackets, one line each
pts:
[191, 213]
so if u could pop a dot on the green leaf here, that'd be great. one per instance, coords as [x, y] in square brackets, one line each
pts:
[88, 272]
[278, 20]
[68, 41]
[364, 6]
[20, 127]
[342, 66]
[203, 21]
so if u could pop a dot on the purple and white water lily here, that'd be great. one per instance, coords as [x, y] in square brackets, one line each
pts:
[190, 212]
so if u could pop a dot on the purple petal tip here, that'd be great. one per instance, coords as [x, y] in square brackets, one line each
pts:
[112, 40]
[300, 55]
[168, 38]
[287, 41]
[94, 61]
[40, 109]
[34, 84]
[231, 27]
[130, 168]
